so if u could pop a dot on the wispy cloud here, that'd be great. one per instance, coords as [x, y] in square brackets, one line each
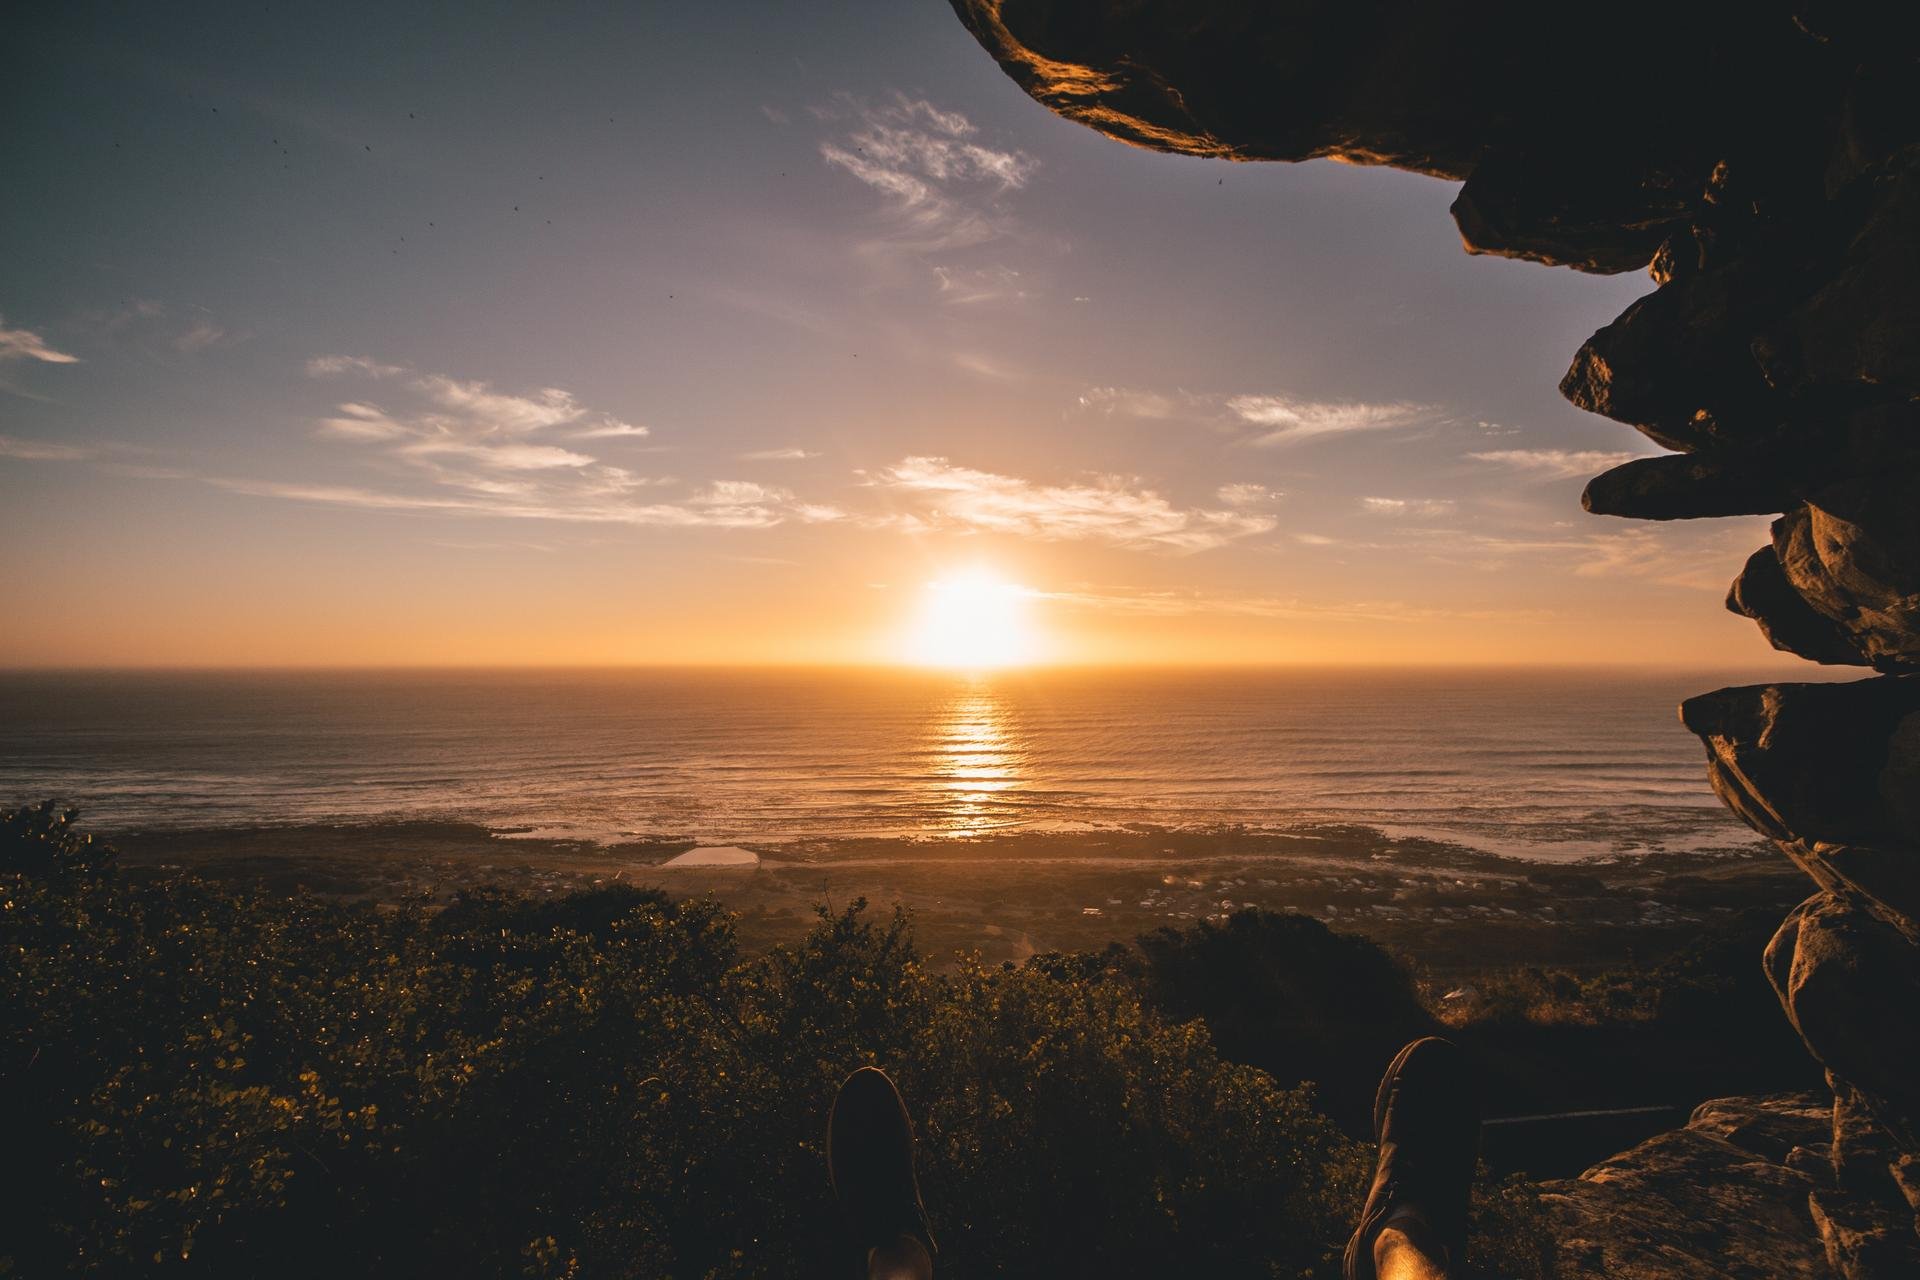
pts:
[1106, 508]
[1189, 603]
[939, 182]
[984, 366]
[1696, 559]
[1247, 495]
[44, 450]
[792, 453]
[157, 330]
[1279, 419]
[1128, 402]
[485, 451]
[612, 431]
[198, 337]
[25, 344]
[1554, 464]
[1645, 553]
[1285, 420]
[1407, 506]
[465, 411]
[326, 366]
[962, 285]
[536, 506]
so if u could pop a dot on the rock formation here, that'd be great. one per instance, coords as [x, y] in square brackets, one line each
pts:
[1762, 160]
[1728, 1196]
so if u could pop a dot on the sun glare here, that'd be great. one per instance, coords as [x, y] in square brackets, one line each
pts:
[972, 621]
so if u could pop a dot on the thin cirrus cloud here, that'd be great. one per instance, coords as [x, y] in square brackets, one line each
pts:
[1407, 506]
[1555, 464]
[487, 452]
[940, 183]
[1285, 420]
[23, 450]
[1245, 494]
[979, 284]
[1694, 559]
[201, 335]
[25, 344]
[792, 453]
[1187, 603]
[1128, 402]
[1105, 509]
[703, 511]
[1280, 419]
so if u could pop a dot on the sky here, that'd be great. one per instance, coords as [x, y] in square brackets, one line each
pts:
[587, 334]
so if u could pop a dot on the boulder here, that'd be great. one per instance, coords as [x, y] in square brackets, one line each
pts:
[1714, 1199]
[1763, 161]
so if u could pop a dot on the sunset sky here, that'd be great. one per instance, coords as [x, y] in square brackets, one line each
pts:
[715, 333]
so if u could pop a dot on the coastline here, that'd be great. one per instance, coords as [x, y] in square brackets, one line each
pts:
[1008, 896]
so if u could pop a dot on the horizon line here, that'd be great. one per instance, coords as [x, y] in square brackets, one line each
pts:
[1756, 666]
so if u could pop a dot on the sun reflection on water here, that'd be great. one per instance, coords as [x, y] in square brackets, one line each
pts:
[976, 760]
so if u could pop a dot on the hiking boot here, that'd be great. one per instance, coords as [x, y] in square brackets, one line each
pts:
[1426, 1118]
[870, 1162]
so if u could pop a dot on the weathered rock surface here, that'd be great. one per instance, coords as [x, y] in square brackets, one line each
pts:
[1763, 161]
[1715, 1199]
[1841, 967]
[1827, 764]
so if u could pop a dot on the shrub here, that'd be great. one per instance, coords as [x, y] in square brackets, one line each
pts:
[204, 1081]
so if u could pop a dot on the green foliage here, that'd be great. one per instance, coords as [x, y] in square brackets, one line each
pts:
[203, 1081]
[1287, 994]
[40, 840]
[1715, 984]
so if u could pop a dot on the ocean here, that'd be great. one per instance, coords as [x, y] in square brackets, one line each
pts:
[1547, 765]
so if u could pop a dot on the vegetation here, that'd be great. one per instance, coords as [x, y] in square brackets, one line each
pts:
[208, 1081]
[1715, 981]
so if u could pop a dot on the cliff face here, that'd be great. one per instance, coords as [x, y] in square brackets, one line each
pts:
[1761, 158]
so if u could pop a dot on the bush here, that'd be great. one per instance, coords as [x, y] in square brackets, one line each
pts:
[40, 840]
[209, 1081]
[1287, 994]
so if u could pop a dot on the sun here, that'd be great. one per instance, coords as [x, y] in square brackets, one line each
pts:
[973, 621]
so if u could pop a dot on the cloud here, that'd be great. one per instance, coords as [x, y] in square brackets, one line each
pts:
[532, 505]
[472, 409]
[25, 344]
[1290, 421]
[202, 335]
[1128, 402]
[150, 326]
[488, 452]
[44, 450]
[984, 366]
[612, 430]
[503, 457]
[1247, 495]
[1646, 553]
[1407, 506]
[1187, 603]
[738, 493]
[549, 407]
[939, 183]
[356, 421]
[1698, 558]
[1555, 464]
[1107, 509]
[325, 366]
[792, 453]
[960, 285]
